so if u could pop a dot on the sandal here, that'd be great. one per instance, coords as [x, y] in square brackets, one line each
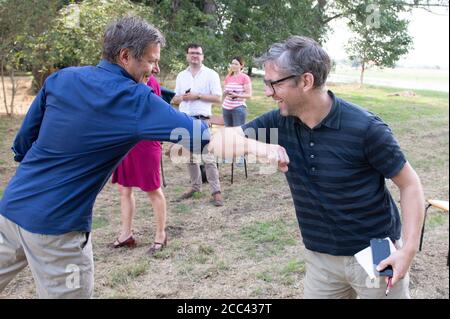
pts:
[156, 246]
[129, 242]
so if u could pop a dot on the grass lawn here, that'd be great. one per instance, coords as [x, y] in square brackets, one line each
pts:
[251, 247]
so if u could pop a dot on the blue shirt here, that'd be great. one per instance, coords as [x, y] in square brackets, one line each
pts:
[79, 127]
[337, 176]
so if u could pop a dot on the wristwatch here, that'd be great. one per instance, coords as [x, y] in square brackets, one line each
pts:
[199, 96]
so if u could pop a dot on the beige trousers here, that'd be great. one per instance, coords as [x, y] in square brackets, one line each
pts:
[62, 265]
[212, 173]
[342, 277]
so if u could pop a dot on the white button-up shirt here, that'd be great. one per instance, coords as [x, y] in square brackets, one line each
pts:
[206, 81]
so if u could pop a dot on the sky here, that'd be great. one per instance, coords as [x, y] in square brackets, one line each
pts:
[430, 34]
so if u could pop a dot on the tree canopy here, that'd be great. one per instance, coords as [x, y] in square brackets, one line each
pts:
[52, 34]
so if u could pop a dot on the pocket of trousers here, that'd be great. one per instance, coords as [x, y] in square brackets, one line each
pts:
[85, 239]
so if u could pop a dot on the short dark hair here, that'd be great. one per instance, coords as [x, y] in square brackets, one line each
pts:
[193, 46]
[130, 32]
[298, 55]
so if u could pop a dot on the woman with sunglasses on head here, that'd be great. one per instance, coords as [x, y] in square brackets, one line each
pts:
[237, 89]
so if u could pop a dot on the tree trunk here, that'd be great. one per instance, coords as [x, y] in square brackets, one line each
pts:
[361, 78]
[13, 91]
[174, 6]
[39, 77]
[210, 8]
[322, 4]
[2, 63]
[250, 69]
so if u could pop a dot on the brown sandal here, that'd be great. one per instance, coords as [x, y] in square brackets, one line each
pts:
[130, 242]
[155, 247]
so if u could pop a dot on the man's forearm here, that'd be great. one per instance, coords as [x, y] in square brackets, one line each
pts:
[210, 98]
[412, 206]
[231, 142]
[177, 99]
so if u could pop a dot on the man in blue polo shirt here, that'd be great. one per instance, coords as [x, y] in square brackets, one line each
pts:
[340, 156]
[81, 124]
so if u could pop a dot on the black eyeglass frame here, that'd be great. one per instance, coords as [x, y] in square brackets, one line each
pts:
[272, 83]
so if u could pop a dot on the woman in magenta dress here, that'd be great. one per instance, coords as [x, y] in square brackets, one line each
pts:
[141, 168]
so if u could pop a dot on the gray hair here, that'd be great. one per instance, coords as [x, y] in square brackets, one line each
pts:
[298, 55]
[130, 32]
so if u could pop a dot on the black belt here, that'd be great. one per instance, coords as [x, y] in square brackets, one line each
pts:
[201, 117]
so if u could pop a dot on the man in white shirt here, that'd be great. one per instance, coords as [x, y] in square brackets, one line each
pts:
[197, 88]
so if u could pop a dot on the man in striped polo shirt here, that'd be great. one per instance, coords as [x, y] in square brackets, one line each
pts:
[340, 155]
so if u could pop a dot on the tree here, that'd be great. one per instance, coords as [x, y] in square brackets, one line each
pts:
[230, 27]
[8, 32]
[20, 21]
[251, 26]
[186, 21]
[381, 37]
[75, 36]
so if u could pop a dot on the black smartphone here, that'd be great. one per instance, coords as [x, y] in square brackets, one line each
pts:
[187, 91]
[380, 251]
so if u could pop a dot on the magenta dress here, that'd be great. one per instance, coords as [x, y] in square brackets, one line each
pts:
[141, 167]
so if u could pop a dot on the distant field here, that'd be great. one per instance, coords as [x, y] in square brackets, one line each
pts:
[406, 78]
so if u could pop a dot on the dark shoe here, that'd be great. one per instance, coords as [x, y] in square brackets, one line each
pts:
[217, 199]
[155, 247]
[187, 195]
[129, 242]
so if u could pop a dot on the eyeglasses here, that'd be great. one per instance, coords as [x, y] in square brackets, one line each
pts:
[271, 84]
[195, 53]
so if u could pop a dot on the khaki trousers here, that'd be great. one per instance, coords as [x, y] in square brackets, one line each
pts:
[62, 265]
[212, 173]
[342, 277]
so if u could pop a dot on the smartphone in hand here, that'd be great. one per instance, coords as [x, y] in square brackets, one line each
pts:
[187, 91]
[380, 251]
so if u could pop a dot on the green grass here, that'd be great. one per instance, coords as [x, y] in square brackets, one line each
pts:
[294, 266]
[99, 222]
[198, 195]
[396, 109]
[206, 249]
[126, 274]
[266, 276]
[182, 209]
[435, 220]
[285, 274]
[266, 238]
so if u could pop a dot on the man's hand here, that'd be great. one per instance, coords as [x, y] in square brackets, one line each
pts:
[177, 99]
[276, 154]
[231, 142]
[232, 94]
[190, 96]
[400, 261]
